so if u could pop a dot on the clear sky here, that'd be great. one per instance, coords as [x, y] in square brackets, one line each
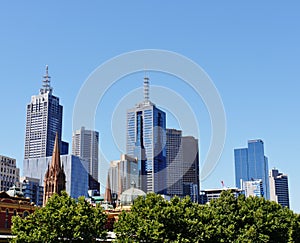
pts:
[249, 49]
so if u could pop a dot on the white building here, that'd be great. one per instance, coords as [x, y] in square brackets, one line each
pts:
[253, 188]
[9, 173]
[43, 120]
[85, 144]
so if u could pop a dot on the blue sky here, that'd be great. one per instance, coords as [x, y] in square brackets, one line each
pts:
[250, 50]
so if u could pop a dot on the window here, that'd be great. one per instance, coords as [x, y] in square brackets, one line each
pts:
[25, 214]
[7, 212]
[15, 212]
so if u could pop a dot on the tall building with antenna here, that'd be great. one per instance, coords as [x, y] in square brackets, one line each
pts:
[43, 121]
[146, 139]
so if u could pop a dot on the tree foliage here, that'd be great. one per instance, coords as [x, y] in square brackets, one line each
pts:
[227, 219]
[62, 219]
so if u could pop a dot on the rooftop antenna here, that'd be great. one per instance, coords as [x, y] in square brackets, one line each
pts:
[146, 88]
[46, 82]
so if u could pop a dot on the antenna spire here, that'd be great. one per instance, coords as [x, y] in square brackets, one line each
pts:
[146, 88]
[46, 83]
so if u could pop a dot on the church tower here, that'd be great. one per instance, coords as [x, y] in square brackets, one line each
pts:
[55, 178]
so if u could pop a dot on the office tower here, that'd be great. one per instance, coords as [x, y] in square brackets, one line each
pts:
[43, 121]
[191, 182]
[76, 170]
[146, 137]
[279, 188]
[10, 174]
[55, 177]
[122, 175]
[85, 144]
[253, 188]
[175, 171]
[31, 189]
[251, 164]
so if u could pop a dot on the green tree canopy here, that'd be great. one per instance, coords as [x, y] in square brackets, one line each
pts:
[62, 219]
[227, 219]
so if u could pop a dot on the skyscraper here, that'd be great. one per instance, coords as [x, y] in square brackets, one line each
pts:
[146, 137]
[43, 121]
[175, 171]
[122, 175]
[251, 164]
[279, 188]
[191, 180]
[85, 144]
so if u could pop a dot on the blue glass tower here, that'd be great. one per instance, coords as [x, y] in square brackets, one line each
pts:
[146, 139]
[251, 164]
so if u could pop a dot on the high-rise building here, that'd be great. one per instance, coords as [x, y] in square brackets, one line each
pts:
[252, 164]
[55, 177]
[191, 180]
[122, 174]
[146, 138]
[85, 144]
[175, 168]
[279, 188]
[253, 188]
[43, 121]
[9, 172]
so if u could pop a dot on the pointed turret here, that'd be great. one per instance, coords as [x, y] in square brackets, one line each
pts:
[55, 178]
[55, 163]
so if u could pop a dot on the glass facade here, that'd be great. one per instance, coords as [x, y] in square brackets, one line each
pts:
[146, 139]
[76, 170]
[252, 164]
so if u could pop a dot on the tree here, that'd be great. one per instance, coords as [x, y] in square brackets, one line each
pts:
[227, 219]
[62, 219]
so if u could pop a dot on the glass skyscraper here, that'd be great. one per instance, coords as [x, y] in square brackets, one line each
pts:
[43, 121]
[251, 164]
[146, 139]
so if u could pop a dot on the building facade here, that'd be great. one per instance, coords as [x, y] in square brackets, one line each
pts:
[122, 174]
[211, 194]
[43, 121]
[9, 173]
[31, 189]
[13, 203]
[253, 188]
[279, 188]
[85, 144]
[175, 170]
[191, 180]
[252, 164]
[76, 170]
[146, 138]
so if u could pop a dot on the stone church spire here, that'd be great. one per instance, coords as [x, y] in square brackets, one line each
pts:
[55, 178]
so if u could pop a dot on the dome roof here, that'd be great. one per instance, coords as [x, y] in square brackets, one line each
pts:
[128, 196]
